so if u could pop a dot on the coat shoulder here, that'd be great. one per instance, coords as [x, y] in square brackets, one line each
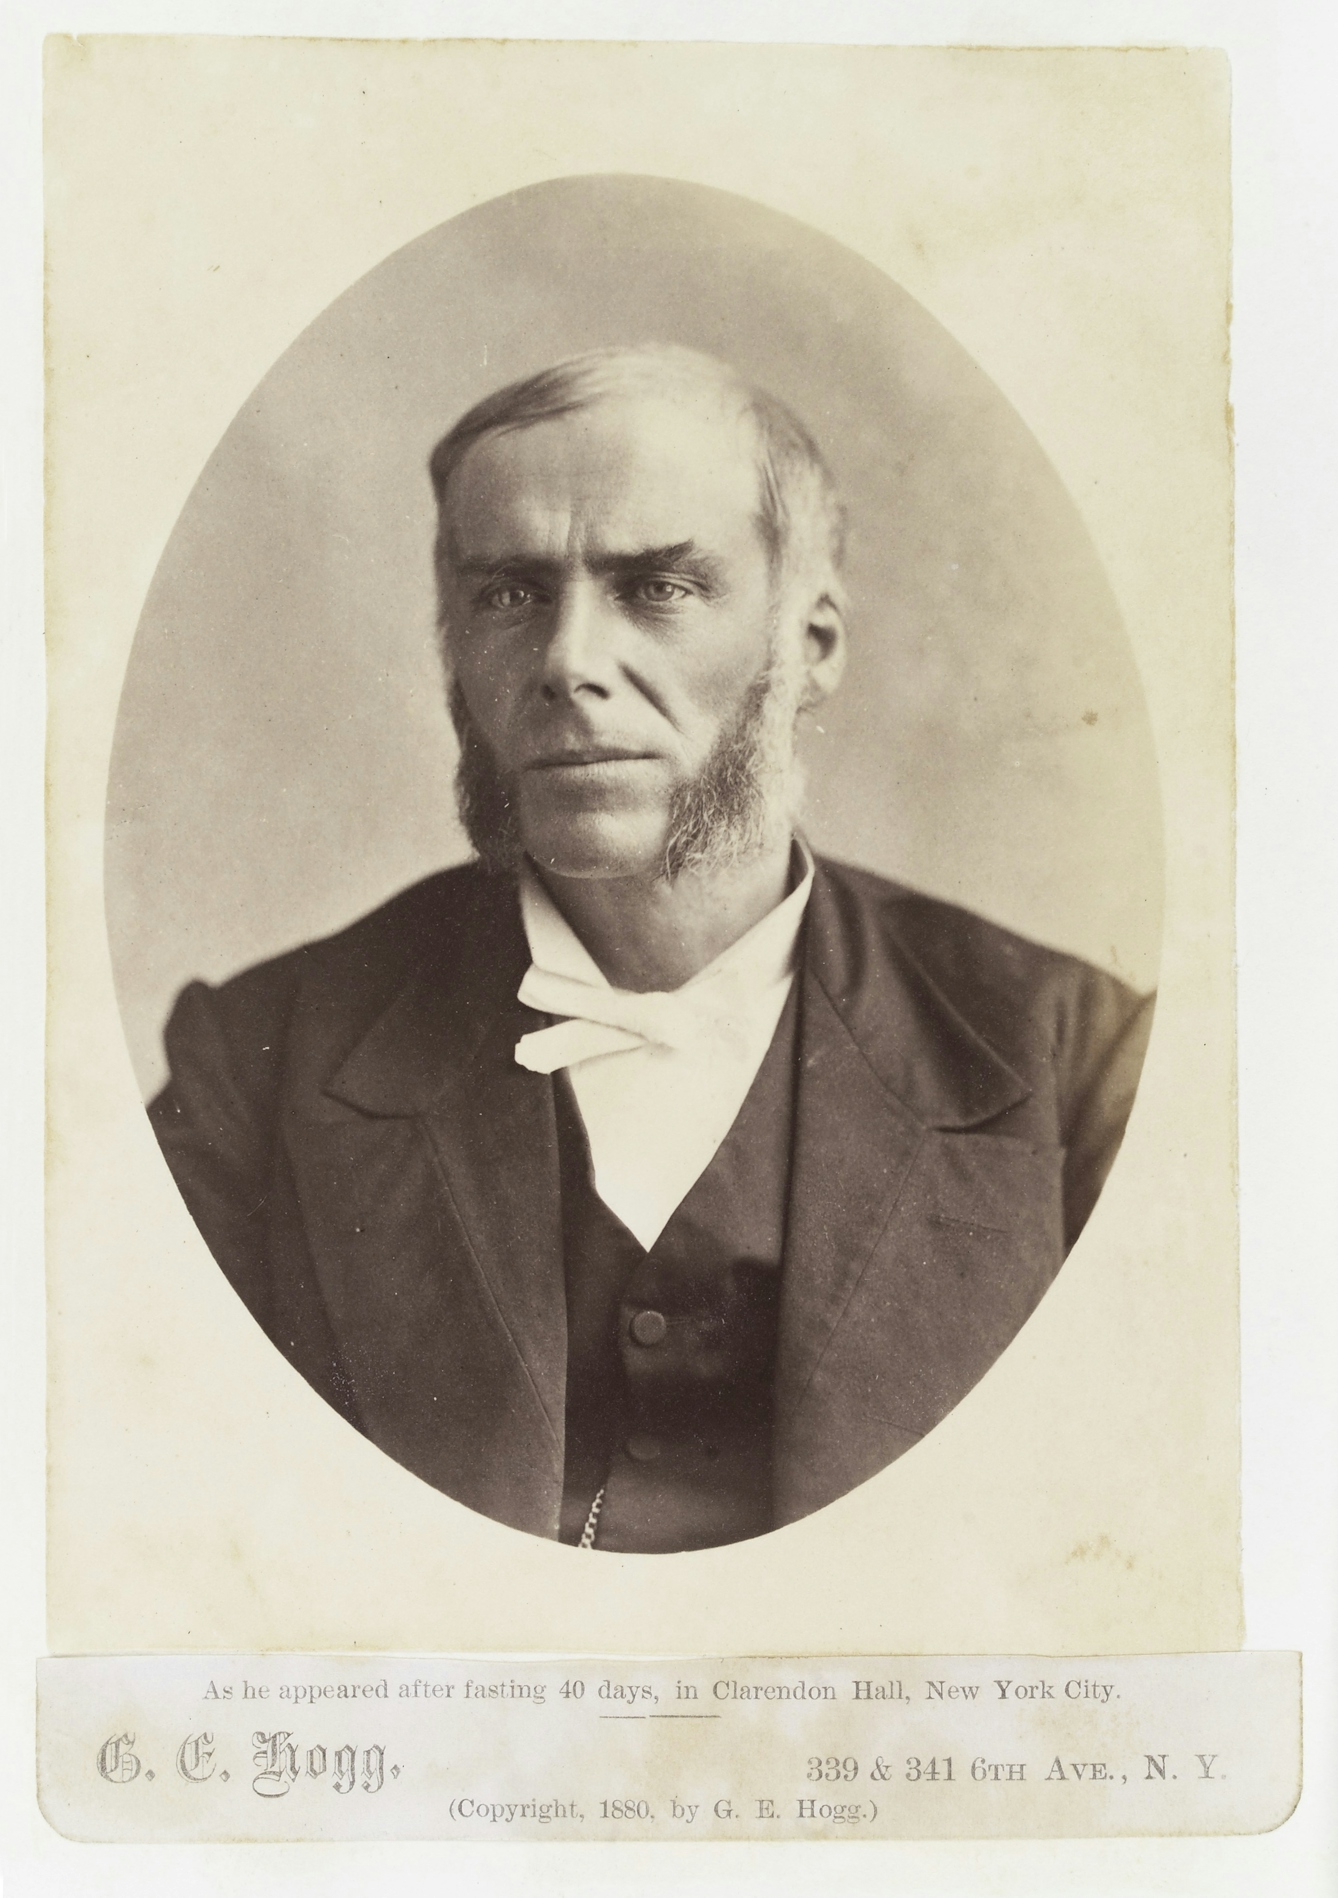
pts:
[451, 912]
[341, 982]
[1015, 992]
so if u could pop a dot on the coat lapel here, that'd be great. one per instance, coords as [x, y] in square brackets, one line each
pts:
[427, 1169]
[915, 1246]
[854, 1145]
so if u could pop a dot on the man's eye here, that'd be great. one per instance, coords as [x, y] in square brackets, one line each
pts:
[509, 596]
[660, 592]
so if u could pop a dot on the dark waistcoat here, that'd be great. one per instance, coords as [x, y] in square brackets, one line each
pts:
[671, 1353]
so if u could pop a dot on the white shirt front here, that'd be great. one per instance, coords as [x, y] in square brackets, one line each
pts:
[659, 1078]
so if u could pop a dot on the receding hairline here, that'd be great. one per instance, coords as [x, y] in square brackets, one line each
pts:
[735, 427]
[657, 371]
[793, 477]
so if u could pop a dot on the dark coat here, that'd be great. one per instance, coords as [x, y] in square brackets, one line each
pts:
[379, 1179]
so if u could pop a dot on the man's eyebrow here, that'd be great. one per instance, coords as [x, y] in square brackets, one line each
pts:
[680, 556]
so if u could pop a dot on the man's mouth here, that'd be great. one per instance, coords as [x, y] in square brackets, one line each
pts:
[579, 756]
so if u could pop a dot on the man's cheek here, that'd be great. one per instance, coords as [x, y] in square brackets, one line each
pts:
[489, 706]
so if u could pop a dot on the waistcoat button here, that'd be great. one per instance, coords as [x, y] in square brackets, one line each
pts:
[649, 1327]
[643, 1449]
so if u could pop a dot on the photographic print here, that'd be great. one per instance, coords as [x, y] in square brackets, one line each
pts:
[642, 1057]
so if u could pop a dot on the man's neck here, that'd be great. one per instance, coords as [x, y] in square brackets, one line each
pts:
[648, 933]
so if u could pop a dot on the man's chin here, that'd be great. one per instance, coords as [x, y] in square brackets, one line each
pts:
[597, 846]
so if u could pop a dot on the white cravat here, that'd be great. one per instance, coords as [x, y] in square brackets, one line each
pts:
[659, 1077]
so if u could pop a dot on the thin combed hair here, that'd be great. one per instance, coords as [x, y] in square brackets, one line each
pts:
[799, 510]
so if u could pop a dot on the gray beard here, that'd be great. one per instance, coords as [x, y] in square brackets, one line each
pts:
[744, 797]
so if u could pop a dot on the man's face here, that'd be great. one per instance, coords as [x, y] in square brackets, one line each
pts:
[611, 618]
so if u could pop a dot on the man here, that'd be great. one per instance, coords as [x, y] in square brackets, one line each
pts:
[645, 1183]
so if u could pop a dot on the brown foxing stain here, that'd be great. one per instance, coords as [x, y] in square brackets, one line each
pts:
[1099, 1550]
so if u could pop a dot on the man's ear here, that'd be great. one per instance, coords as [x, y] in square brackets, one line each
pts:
[824, 647]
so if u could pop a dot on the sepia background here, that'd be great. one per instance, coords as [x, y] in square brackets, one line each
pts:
[283, 757]
[1063, 216]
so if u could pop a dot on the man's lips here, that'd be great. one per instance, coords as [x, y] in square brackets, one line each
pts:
[587, 755]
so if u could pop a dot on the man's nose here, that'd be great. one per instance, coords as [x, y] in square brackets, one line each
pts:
[579, 654]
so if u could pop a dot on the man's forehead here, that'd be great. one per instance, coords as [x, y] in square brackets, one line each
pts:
[623, 470]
